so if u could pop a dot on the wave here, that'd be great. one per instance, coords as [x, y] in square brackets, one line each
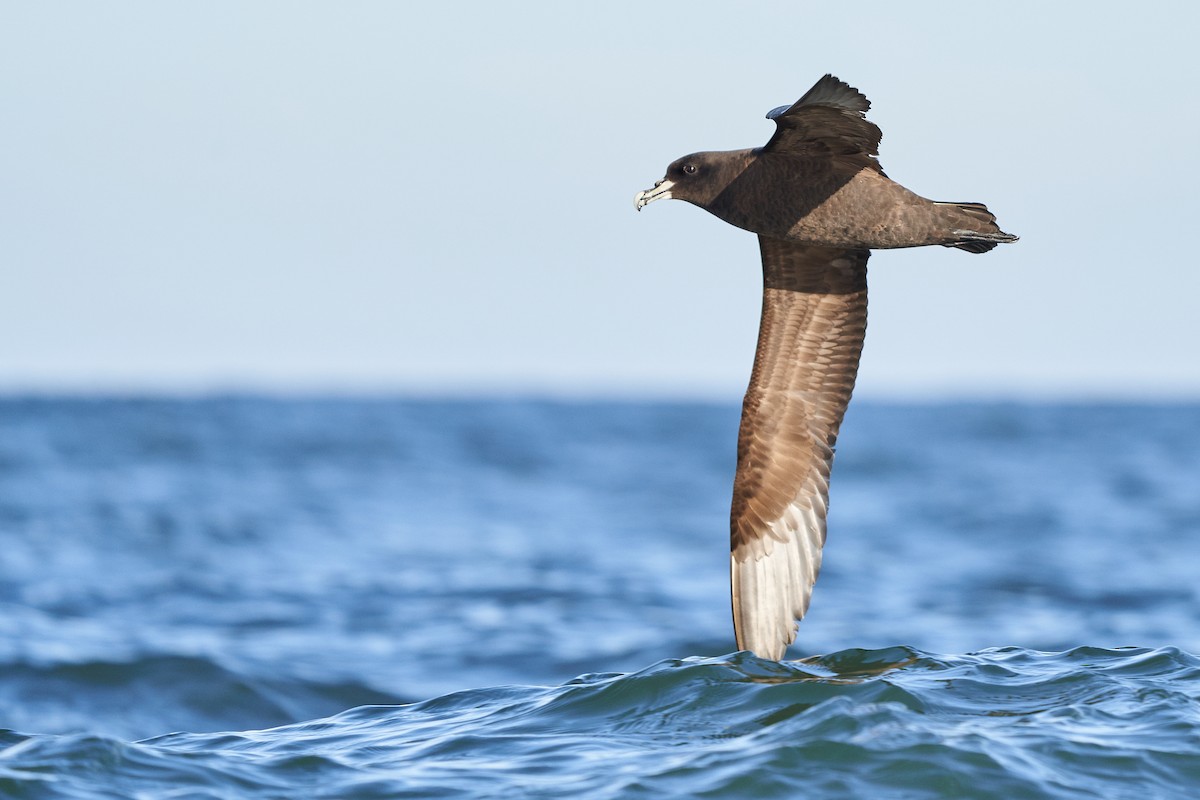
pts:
[151, 693]
[891, 723]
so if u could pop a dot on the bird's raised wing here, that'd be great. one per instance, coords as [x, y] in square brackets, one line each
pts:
[828, 121]
[814, 319]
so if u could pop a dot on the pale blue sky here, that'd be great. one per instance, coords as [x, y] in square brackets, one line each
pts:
[350, 196]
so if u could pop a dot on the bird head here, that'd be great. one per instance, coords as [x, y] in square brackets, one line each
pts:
[698, 178]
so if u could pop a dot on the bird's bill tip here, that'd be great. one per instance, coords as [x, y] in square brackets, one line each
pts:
[660, 191]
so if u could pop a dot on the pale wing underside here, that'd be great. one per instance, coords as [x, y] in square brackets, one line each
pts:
[814, 319]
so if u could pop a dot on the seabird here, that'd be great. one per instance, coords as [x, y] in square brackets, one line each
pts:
[819, 202]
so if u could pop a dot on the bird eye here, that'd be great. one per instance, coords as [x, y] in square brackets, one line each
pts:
[689, 169]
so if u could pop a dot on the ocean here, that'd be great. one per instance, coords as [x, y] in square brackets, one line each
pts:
[267, 597]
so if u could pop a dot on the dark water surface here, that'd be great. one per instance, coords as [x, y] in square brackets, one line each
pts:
[267, 598]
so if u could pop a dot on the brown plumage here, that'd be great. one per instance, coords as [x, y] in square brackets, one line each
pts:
[819, 202]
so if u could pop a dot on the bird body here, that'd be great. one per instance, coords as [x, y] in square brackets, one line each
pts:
[840, 204]
[820, 202]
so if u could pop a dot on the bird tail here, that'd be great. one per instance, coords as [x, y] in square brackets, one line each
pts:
[974, 228]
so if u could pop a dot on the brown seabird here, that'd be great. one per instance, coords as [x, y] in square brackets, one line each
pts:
[819, 202]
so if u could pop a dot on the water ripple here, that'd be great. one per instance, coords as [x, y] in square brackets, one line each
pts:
[893, 723]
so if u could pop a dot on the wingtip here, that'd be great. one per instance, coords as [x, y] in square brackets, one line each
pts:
[835, 91]
[830, 90]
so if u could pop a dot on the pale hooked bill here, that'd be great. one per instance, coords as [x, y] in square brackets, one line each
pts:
[661, 191]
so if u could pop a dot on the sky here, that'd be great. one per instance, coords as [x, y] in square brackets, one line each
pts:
[383, 196]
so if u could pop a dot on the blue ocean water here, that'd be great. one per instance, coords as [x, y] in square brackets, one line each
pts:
[281, 598]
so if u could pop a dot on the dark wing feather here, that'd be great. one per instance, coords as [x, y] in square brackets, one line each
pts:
[813, 322]
[828, 121]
